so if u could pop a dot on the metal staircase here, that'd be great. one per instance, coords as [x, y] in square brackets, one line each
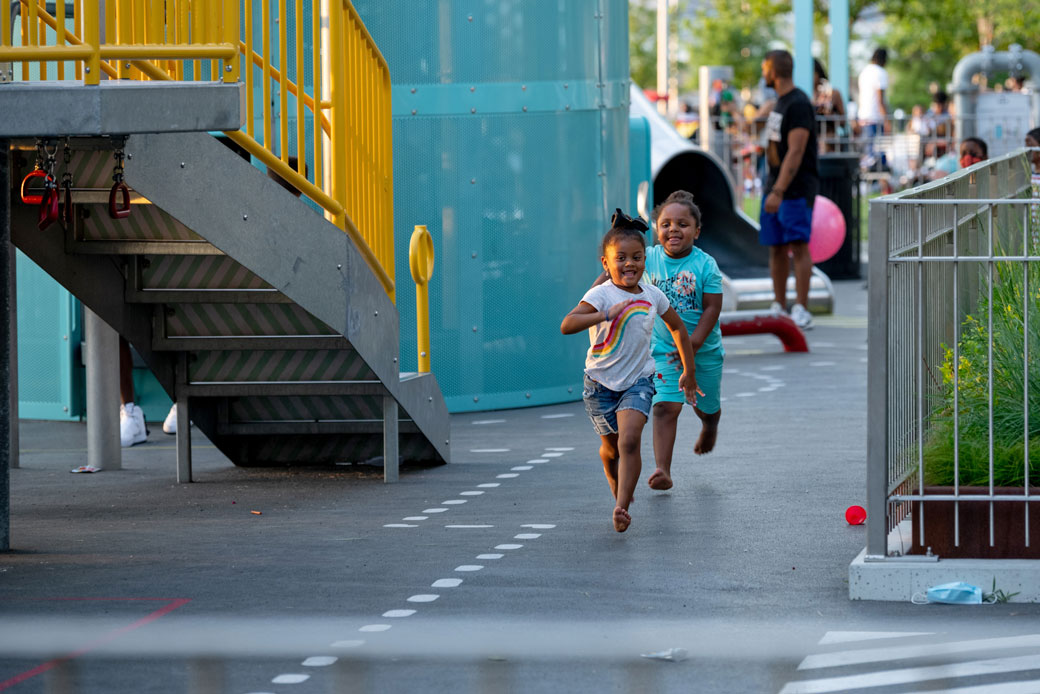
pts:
[254, 312]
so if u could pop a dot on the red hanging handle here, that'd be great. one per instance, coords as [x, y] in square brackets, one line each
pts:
[48, 208]
[33, 199]
[115, 209]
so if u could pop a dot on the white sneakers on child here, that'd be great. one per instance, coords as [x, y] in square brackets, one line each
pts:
[169, 426]
[801, 317]
[132, 430]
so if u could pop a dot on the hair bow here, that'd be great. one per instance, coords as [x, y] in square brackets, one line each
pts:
[620, 220]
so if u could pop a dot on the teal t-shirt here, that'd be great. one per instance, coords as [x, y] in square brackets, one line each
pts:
[684, 281]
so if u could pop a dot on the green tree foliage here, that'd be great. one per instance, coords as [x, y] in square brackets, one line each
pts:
[926, 38]
[642, 40]
[737, 33]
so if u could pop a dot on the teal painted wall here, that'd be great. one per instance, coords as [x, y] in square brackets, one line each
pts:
[511, 144]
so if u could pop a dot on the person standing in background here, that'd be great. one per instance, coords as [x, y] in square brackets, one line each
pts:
[872, 107]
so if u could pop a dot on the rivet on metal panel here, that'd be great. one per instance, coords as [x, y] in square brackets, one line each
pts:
[523, 87]
[474, 255]
[413, 112]
[527, 395]
[395, 360]
[568, 107]
[126, 65]
[65, 337]
[182, 164]
[339, 266]
[227, 68]
[473, 89]
[474, 328]
[473, 181]
[446, 441]
[86, 69]
[377, 313]
[470, 18]
[129, 156]
[66, 407]
[476, 399]
[570, 390]
[473, 110]
[525, 109]
[245, 217]
[413, 90]
[431, 400]
[566, 86]
[422, 354]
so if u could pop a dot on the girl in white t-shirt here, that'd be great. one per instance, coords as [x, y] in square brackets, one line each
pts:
[619, 370]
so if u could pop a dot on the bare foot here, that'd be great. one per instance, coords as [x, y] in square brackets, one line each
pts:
[706, 441]
[660, 480]
[621, 519]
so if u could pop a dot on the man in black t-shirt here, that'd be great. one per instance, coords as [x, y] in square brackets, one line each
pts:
[786, 217]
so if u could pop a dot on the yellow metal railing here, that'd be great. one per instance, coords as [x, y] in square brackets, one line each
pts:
[349, 172]
[420, 262]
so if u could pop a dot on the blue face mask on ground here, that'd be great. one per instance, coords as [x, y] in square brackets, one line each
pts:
[958, 593]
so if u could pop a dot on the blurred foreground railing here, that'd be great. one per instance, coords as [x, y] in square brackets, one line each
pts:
[954, 373]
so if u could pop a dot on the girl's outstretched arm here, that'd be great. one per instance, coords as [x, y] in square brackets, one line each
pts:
[585, 315]
[688, 380]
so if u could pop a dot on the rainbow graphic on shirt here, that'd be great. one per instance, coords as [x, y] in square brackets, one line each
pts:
[617, 328]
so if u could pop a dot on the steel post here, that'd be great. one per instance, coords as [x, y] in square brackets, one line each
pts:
[5, 344]
[102, 366]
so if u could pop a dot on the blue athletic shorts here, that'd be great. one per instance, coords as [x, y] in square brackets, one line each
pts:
[792, 222]
[603, 404]
[708, 370]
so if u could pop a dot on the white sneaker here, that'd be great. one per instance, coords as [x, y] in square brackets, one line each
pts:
[131, 425]
[776, 309]
[801, 317]
[170, 425]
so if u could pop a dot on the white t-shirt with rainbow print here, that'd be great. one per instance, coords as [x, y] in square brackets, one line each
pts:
[619, 351]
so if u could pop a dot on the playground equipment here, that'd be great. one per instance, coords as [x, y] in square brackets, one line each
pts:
[1001, 119]
[728, 234]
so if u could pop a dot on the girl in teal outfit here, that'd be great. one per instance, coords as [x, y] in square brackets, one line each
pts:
[691, 280]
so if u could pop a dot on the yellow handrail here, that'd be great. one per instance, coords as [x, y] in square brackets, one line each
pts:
[345, 90]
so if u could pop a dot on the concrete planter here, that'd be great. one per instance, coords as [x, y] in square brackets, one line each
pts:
[1009, 525]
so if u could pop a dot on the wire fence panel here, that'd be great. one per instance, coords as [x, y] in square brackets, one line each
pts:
[954, 412]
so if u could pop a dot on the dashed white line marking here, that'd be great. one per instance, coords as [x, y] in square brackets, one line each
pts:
[772, 367]
[538, 461]
[507, 475]
[561, 448]
[731, 371]
[902, 652]
[488, 421]
[555, 454]
[434, 510]
[490, 485]
[394, 614]
[446, 583]
[739, 395]
[290, 679]
[348, 643]
[557, 416]
[527, 536]
[490, 556]
[767, 389]
[423, 597]
[508, 546]
[489, 450]
[469, 567]
[538, 526]
[470, 493]
[469, 526]
[400, 525]
[723, 399]
[453, 502]
[319, 661]
[821, 363]
[522, 467]
[849, 636]
[374, 627]
[415, 518]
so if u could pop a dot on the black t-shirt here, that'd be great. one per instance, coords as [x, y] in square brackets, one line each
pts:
[792, 110]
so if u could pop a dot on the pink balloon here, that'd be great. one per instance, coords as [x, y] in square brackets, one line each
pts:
[828, 230]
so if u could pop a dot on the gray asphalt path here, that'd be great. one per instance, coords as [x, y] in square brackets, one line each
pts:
[499, 572]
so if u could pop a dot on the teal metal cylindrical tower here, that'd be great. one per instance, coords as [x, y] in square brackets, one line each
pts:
[511, 146]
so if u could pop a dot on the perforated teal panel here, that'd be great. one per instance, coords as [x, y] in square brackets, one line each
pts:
[515, 155]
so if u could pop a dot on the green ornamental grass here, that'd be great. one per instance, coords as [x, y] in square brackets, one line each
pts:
[1013, 295]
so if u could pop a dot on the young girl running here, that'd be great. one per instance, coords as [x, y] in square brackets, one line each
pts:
[691, 280]
[619, 316]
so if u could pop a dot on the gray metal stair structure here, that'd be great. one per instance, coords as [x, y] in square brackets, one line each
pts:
[260, 318]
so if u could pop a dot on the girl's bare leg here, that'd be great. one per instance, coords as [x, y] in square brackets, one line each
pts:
[666, 416]
[608, 453]
[709, 432]
[630, 464]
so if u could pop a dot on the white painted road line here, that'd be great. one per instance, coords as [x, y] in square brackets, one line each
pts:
[470, 493]
[1026, 687]
[423, 597]
[821, 363]
[561, 448]
[508, 546]
[415, 518]
[881, 655]
[521, 468]
[374, 627]
[453, 502]
[319, 661]
[290, 679]
[395, 614]
[489, 450]
[552, 454]
[507, 476]
[490, 556]
[889, 678]
[469, 567]
[399, 525]
[771, 367]
[446, 583]
[850, 636]
[348, 643]
[527, 536]
[490, 485]
[434, 510]
[538, 526]
[537, 461]
[557, 416]
[487, 421]
[469, 526]
[744, 395]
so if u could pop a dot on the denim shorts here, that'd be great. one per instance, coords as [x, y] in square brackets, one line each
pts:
[603, 404]
[792, 222]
